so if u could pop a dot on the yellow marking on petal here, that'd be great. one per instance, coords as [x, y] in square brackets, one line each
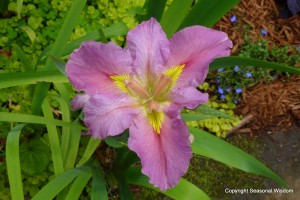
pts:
[156, 119]
[120, 82]
[174, 73]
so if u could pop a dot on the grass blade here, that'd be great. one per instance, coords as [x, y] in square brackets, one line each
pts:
[98, 190]
[33, 119]
[155, 9]
[57, 184]
[213, 147]
[205, 112]
[183, 191]
[78, 185]
[90, 149]
[207, 12]
[177, 10]
[236, 60]
[64, 34]
[26, 78]
[60, 64]
[13, 163]
[53, 140]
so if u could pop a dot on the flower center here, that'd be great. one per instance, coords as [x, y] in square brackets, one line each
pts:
[153, 96]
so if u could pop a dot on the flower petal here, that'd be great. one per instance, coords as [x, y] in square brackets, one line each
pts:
[197, 47]
[90, 67]
[165, 157]
[79, 101]
[149, 48]
[188, 97]
[109, 115]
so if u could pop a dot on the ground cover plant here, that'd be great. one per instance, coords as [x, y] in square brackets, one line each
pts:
[44, 146]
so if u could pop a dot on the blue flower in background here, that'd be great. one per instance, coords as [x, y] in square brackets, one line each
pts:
[220, 70]
[264, 32]
[220, 90]
[238, 90]
[233, 19]
[236, 68]
[248, 74]
[218, 80]
[228, 89]
[298, 48]
[223, 96]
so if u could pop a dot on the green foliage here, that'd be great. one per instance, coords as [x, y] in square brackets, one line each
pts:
[245, 74]
[34, 156]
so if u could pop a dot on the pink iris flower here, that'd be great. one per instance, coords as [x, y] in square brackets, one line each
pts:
[144, 87]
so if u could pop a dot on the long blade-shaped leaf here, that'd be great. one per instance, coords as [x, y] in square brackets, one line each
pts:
[62, 38]
[78, 185]
[33, 119]
[90, 149]
[26, 78]
[174, 16]
[236, 60]
[155, 8]
[213, 147]
[114, 30]
[98, 190]
[208, 12]
[205, 112]
[183, 191]
[13, 163]
[57, 184]
[53, 140]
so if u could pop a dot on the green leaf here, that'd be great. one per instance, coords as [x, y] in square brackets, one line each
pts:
[63, 36]
[118, 141]
[53, 140]
[73, 146]
[183, 191]
[236, 60]
[66, 132]
[89, 151]
[155, 8]
[34, 157]
[78, 185]
[98, 187]
[38, 97]
[117, 29]
[30, 32]
[213, 147]
[13, 163]
[23, 58]
[207, 12]
[174, 16]
[26, 78]
[56, 185]
[205, 112]
[33, 119]
[19, 7]
[60, 64]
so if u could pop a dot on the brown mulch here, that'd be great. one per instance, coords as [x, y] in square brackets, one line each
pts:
[258, 15]
[275, 106]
